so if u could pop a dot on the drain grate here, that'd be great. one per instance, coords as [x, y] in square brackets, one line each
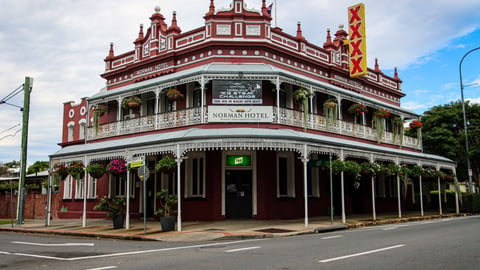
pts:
[274, 230]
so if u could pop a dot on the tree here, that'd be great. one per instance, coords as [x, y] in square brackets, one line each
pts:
[37, 167]
[443, 134]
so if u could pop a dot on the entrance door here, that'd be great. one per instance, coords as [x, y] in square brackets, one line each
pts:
[238, 194]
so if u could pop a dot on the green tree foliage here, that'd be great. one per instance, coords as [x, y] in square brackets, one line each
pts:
[37, 167]
[443, 134]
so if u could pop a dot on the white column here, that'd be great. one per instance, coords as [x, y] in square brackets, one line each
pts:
[399, 197]
[439, 196]
[305, 182]
[421, 195]
[344, 218]
[374, 212]
[84, 214]
[277, 85]
[179, 192]
[202, 101]
[119, 114]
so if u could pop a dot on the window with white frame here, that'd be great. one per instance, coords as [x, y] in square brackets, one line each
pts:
[285, 174]
[79, 185]
[67, 187]
[82, 125]
[70, 127]
[92, 188]
[118, 186]
[195, 175]
[169, 182]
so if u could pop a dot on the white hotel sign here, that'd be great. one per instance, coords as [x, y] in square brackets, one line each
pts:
[255, 114]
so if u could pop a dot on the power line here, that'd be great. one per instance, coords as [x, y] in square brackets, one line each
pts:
[11, 135]
[10, 128]
[12, 94]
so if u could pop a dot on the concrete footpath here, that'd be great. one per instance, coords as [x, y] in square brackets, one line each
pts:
[208, 231]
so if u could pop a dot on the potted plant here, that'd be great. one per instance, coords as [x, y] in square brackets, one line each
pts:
[173, 94]
[131, 102]
[397, 126]
[416, 171]
[370, 169]
[96, 170]
[391, 169]
[115, 208]
[60, 170]
[117, 166]
[166, 209]
[301, 96]
[337, 166]
[378, 122]
[352, 168]
[166, 165]
[76, 169]
[416, 125]
[330, 110]
[97, 113]
[357, 110]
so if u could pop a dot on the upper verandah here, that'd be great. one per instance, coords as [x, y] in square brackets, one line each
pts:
[164, 49]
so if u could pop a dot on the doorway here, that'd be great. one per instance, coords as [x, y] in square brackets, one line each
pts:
[238, 194]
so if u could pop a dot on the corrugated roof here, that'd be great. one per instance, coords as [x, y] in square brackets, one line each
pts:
[239, 133]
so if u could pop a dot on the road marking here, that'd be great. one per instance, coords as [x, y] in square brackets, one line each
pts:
[360, 254]
[331, 237]
[4, 252]
[132, 252]
[103, 268]
[241, 249]
[54, 245]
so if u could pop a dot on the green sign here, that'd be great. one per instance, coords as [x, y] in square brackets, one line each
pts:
[238, 161]
[136, 163]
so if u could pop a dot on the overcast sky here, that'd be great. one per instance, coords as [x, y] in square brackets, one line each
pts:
[62, 44]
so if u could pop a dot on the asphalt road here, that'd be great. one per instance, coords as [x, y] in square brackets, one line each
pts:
[446, 244]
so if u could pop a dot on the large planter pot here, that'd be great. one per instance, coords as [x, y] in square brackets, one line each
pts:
[167, 223]
[117, 221]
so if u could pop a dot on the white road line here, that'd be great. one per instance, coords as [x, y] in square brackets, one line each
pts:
[360, 254]
[132, 252]
[54, 245]
[103, 268]
[241, 249]
[331, 237]
[4, 252]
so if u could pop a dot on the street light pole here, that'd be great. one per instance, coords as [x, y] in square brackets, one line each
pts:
[469, 166]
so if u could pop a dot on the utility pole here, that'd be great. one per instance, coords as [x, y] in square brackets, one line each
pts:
[27, 89]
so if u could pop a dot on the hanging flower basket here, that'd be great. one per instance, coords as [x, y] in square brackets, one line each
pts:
[166, 165]
[301, 94]
[76, 169]
[330, 110]
[96, 170]
[131, 102]
[174, 94]
[382, 113]
[60, 170]
[117, 166]
[357, 110]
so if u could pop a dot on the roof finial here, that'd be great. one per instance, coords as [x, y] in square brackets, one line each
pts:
[377, 68]
[111, 54]
[299, 31]
[174, 27]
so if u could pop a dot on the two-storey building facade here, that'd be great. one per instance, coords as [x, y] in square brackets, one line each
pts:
[246, 111]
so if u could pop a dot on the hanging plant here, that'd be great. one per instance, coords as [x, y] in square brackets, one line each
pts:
[301, 95]
[174, 94]
[378, 122]
[370, 169]
[76, 169]
[117, 166]
[397, 125]
[60, 170]
[417, 125]
[358, 110]
[166, 165]
[352, 168]
[391, 169]
[131, 102]
[96, 170]
[97, 113]
[416, 171]
[337, 166]
[331, 111]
